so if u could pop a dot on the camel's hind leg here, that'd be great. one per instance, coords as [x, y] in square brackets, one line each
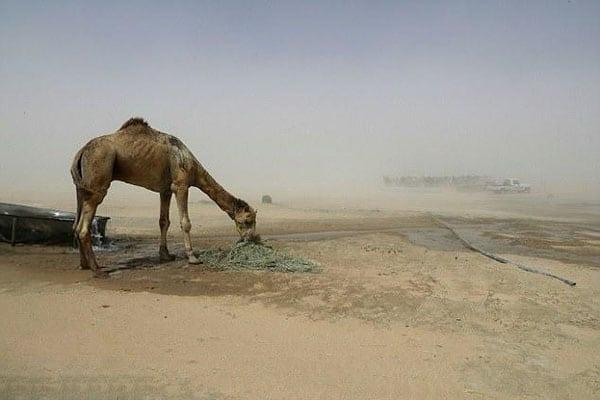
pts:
[95, 174]
[164, 222]
[88, 211]
[83, 264]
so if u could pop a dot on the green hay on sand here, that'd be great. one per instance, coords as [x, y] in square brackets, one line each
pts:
[255, 256]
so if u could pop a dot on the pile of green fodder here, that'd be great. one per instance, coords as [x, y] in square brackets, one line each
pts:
[255, 256]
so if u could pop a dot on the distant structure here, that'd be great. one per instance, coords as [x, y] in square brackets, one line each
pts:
[266, 199]
[465, 182]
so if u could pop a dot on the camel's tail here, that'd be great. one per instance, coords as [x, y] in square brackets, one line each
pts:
[76, 174]
[76, 169]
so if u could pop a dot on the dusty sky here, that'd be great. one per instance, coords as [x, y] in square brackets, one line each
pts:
[279, 96]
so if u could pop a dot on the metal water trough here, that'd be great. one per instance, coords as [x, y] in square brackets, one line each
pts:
[25, 224]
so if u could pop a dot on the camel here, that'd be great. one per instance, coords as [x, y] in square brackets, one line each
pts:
[140, 155]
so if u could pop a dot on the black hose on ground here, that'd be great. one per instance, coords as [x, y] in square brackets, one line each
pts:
[498, 258]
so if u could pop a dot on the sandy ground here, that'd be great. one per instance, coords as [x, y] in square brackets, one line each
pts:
[399, 308]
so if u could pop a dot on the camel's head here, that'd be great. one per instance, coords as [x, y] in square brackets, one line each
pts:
[245, 221]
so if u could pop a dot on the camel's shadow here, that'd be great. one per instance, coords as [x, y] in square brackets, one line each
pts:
[144, 262]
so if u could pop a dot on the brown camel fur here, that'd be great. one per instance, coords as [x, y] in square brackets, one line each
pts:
[142, 156]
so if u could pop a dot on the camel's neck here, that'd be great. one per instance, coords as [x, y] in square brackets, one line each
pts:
[208, 185]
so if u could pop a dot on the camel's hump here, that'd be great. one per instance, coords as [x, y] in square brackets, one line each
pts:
[134, 121]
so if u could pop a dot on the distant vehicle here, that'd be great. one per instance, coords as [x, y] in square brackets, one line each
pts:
[509, 186]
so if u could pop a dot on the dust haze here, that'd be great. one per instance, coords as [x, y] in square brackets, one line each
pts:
[433, 164]
[303, 101]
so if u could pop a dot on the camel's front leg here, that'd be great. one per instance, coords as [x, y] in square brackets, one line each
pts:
[181, 194]
[164, 222]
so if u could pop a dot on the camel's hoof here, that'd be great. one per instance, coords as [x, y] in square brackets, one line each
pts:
[83, 267]
[194, 261]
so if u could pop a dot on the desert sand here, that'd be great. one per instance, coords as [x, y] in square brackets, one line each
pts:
[399, 309]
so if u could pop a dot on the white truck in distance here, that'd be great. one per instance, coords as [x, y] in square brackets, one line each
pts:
[509, 186]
